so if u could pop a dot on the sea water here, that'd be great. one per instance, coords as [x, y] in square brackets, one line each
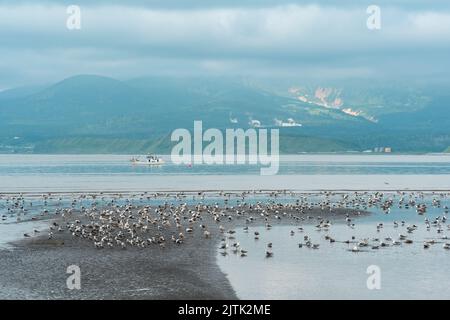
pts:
[406, 271]
[332, 271]
[95, 173]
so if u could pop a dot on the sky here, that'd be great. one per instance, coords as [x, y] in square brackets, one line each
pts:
[260, 38]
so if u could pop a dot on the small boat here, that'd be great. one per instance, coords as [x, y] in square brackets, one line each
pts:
[148, 160]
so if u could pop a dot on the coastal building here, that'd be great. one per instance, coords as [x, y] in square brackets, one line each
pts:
[382, 150]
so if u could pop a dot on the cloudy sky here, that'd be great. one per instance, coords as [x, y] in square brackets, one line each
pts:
[269, 38]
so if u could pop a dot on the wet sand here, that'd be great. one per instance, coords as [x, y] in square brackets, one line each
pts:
[35, 268]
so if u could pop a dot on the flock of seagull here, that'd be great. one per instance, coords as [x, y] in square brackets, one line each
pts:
[160, 219]
[356, 245]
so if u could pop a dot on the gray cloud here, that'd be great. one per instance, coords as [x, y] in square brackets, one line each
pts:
[226, 37]
[202, 4]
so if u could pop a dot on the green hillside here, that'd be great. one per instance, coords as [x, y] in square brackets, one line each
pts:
[94, 114]
[104, 146]
[163, 145]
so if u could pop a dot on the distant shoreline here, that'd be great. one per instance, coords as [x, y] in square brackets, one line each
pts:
[281, 154]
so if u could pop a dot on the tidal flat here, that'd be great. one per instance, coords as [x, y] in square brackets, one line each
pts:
[128, 249]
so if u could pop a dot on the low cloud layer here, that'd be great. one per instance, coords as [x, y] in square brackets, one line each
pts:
[291, 39]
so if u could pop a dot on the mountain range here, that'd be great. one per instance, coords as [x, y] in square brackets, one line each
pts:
[96, 114]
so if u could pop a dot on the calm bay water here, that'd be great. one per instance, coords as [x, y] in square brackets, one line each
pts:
[83, 173]
[289, 165]
[407, 271]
